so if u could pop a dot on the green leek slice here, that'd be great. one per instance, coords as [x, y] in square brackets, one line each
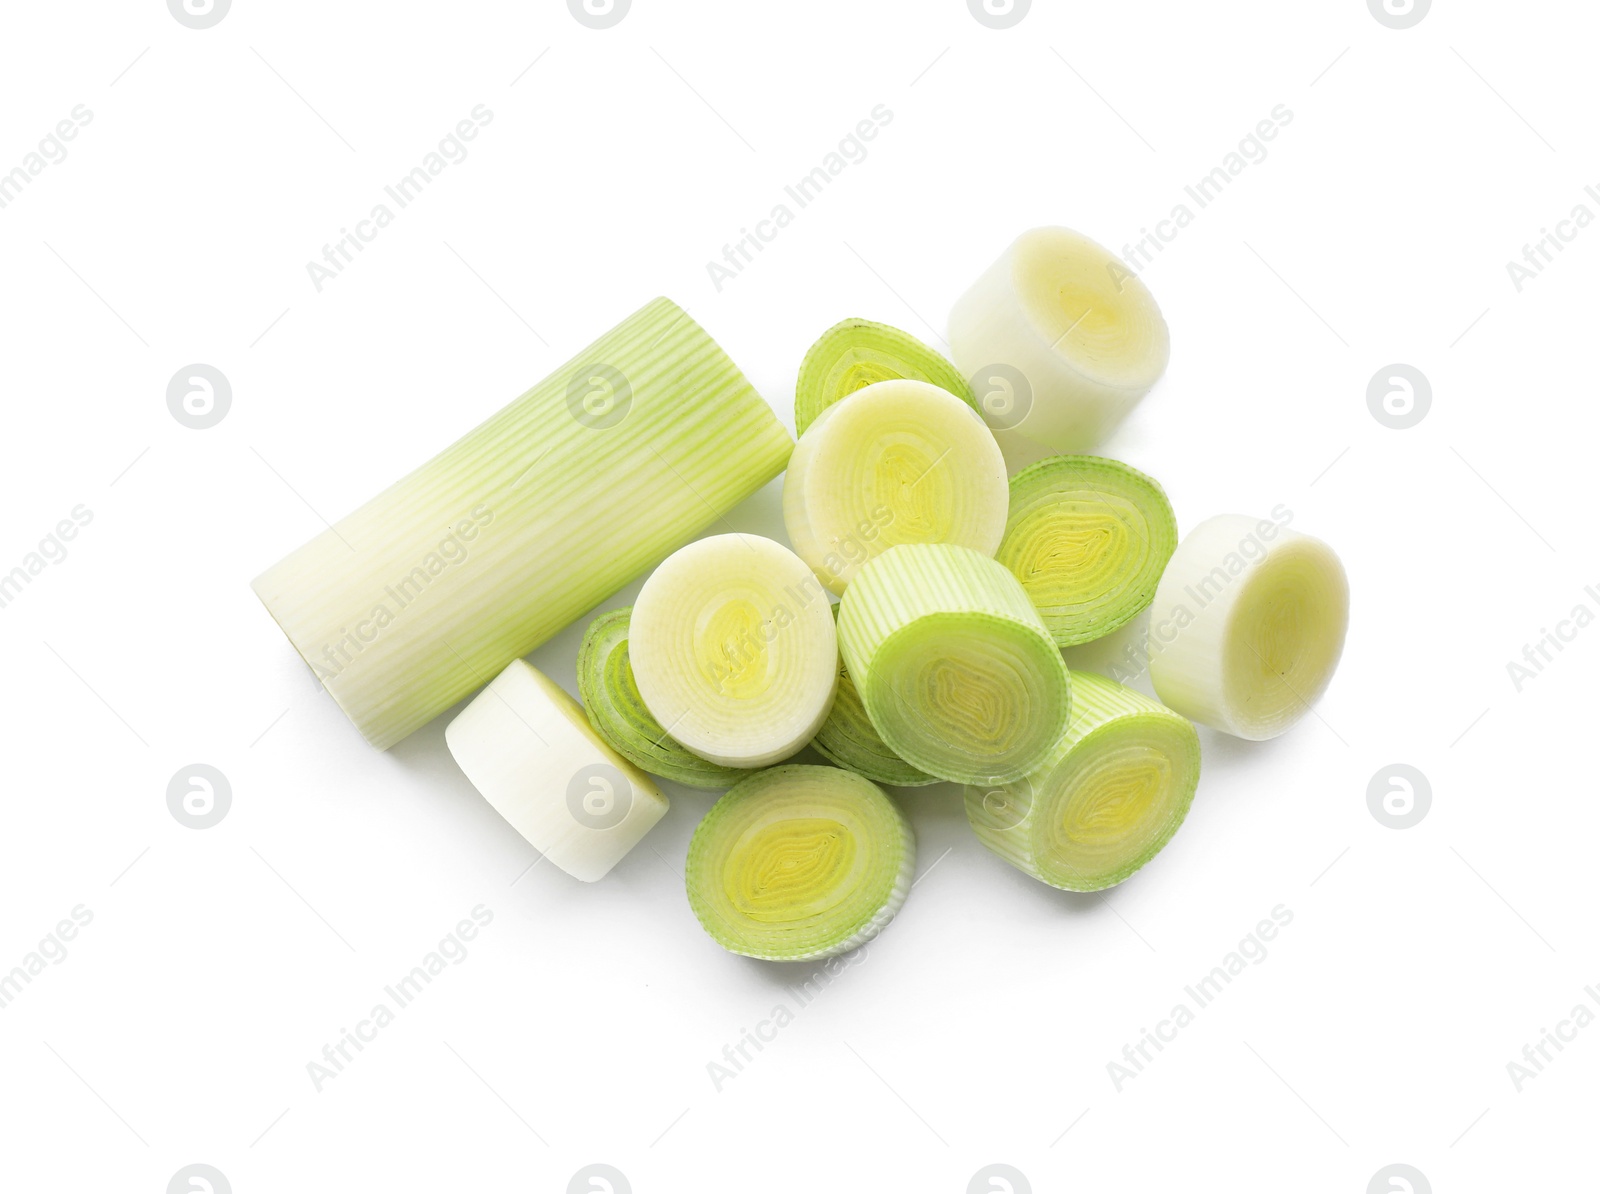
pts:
[799, 862]
[857, 352]
[955, 668]
[619, 715]
[1088, 538]
[1107, 798]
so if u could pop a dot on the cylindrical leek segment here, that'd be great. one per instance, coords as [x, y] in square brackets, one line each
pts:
[957, 672]
[896, 462]
[734, 651]
[856, 353]
[1059, 339]
[848, 739]
[633, 447]
[618, 713]
[799, 862]
[1088, 538]
[1104, 801]
[1247, 625]
[528, 748]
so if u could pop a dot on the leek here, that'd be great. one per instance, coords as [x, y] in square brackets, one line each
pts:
[1104, 801]
[896, 462]
[799, 862]
[955, 667]
[856, 353]
[636, 445]
[848, 739]
[1088, 538]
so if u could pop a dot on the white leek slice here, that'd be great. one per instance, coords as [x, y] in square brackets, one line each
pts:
[958, 674]
[733, 648]
[633, 447]
[1105, 800]
[1059, 339]
[618, 713]
[1088, 538]
[896, 462]
[528, 748]
[799, 862]
[1247, 625]
[855, 353]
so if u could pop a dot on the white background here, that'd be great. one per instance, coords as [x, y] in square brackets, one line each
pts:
[979, 1027]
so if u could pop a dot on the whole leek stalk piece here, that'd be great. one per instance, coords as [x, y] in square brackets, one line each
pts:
[425, 593]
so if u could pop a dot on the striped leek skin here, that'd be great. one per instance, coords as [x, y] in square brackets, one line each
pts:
[420, 596]
[799, 862]
[1247, 625]
[856, 353]
[618, 713]
[1070, 317]
[957, 672]
[897, 462]
[1107, 798]
[848, 739]
[1088, 538]
[530, 751]
[734, 650]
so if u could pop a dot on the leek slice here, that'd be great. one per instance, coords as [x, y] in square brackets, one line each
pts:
[957, 672]
[618, 713]
[848, 739]
[734, 651]
[635, 446]
[897, 462]
[1105, 800]
[799, 862]
[1247, 625]
[1088, 538]
[1060, 338]
[856, 353]
[528, 748]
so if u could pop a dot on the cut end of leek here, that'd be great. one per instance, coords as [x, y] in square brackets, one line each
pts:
[1088, 538]
[856, 353]
[733, 648]
[1060, 339]
[528, 748]
[1107, 798]
[618, 713]
[1247, 625]
[896, 462]
[799, 862]
[957, 672]
[848, 739]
